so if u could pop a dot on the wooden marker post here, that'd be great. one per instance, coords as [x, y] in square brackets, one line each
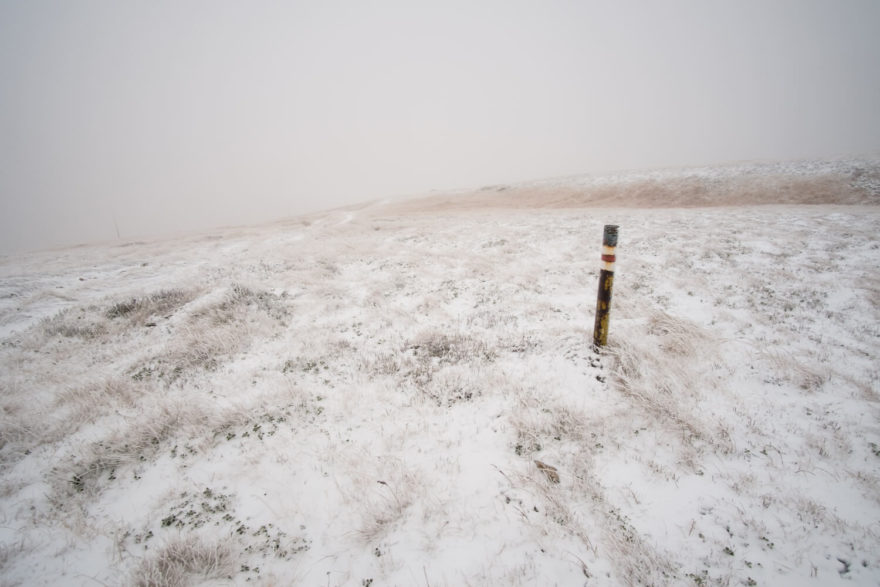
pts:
[606, 281]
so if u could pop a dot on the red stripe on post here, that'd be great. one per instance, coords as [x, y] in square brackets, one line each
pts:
[608, 258]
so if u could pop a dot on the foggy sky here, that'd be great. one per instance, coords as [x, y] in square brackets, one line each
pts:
[172, 115]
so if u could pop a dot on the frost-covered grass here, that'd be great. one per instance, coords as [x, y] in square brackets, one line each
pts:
[388, 398]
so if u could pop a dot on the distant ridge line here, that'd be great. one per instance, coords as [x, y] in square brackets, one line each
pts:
[854, 181]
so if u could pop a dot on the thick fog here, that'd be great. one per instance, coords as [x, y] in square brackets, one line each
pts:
[151, 118]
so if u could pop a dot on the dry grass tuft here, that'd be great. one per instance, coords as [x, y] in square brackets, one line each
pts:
[213, 332]
[87, 403]
[16, 425]
[139, 310]
[93, 323]
[66, 325]
[182, 561]
[648, 368]
[539, 421]
[439, 366]
[808, 377]
[138, 439]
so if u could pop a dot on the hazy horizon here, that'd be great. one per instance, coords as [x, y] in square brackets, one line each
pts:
[168, 117]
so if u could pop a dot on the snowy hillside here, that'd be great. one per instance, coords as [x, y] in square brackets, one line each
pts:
[406, 394]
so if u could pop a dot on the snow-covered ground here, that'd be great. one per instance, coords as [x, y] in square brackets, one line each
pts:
[396, 395]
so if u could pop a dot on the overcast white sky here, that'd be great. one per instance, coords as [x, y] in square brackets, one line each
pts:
[176, 115]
